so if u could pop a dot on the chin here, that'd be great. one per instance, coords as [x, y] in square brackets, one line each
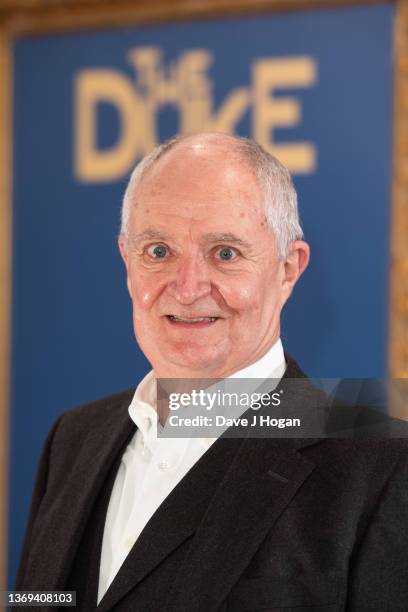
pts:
[199, 366]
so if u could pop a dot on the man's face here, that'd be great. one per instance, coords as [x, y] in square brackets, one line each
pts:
[203, 274]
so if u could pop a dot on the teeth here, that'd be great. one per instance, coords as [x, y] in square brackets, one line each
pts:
[197, 320]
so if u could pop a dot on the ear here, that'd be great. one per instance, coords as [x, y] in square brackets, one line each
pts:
[294, 265]
[122, 243]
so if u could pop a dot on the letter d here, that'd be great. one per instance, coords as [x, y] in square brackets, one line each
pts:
[91, 163]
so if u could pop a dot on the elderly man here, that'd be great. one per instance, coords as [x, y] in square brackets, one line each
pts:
[212, 246]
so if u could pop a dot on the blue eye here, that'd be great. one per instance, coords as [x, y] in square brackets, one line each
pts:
[157, 251]
[226, 254]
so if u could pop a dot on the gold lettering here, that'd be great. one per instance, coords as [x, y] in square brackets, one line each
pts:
[92, 164]
[196, 98]
[186, 84]
[230, 112]
[195, 90]
[270, 113]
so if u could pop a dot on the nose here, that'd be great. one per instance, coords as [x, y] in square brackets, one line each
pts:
[191, 281]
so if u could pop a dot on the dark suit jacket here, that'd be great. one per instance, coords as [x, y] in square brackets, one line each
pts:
[256, 524]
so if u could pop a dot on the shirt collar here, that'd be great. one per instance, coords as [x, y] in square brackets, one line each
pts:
[268, 366]
[142, 409]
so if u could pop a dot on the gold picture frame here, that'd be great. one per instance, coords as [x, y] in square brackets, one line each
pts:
[19, 18]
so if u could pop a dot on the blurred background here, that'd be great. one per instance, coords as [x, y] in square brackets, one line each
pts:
[89, 88]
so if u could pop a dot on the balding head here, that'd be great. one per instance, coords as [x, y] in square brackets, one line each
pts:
[278, 193]
[205, 273]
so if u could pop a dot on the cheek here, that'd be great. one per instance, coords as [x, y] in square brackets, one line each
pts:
[253, 294]
[144, 290]
[242, 295]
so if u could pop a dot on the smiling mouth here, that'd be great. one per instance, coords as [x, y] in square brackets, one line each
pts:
[191, 320]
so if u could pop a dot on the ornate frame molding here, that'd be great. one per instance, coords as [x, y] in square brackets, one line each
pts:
[40, 16]
[5, 285]
[398, 325]
[35, 17]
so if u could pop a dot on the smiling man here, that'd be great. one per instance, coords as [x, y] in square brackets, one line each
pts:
[206, 275]
[212, 247]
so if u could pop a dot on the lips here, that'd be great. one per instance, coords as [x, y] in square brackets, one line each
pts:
[192, 319]
[191, 323]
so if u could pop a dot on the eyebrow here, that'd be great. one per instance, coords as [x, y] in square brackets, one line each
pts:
[149, 234]
[211, 237]
[225, 237]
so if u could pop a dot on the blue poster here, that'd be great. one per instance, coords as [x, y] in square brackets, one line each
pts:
[313, 87]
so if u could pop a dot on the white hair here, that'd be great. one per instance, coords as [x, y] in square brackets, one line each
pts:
[280, 198]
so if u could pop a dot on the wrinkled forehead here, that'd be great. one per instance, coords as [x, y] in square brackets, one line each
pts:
[206, 150]
[194, 177]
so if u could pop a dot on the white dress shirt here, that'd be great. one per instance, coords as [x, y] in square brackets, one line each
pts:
[151, 467]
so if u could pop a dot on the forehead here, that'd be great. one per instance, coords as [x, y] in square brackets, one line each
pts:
[200, 183]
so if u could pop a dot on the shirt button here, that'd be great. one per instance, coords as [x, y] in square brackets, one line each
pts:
[163, 466]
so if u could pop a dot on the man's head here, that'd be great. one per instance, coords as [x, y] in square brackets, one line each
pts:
[212, 246]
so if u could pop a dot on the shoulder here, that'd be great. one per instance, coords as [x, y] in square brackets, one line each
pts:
[81, 433]
[99, 407]
[93, 416]
[356, 408]
[365, 466]
[376, 455]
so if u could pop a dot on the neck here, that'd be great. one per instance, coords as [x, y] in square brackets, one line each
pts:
[170, 370]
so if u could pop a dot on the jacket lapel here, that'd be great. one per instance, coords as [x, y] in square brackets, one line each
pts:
[176, 519]
[263, 478]
[64, 520]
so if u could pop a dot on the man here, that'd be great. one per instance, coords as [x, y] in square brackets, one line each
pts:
[213, 248]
